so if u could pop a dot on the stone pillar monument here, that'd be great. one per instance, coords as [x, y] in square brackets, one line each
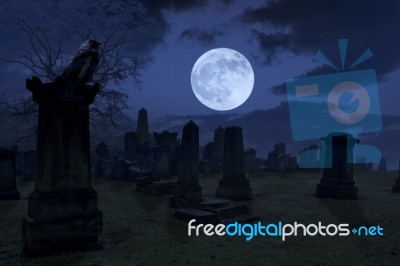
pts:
[187, 191]
[143, 139]
[8, 175]
[62, 210]
[142, 128]
[234, 183]
[396, 187]
[337, 178]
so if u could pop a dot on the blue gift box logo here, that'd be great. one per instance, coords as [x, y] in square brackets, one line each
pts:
[346, 102]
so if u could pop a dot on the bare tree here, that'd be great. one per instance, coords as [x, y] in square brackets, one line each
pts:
[45, 58]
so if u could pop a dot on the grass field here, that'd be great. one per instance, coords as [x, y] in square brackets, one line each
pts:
[142, 230]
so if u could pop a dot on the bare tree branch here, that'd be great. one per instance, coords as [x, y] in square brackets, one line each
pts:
[45, 58]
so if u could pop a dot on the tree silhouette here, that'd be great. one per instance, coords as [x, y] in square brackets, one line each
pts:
[45, 58]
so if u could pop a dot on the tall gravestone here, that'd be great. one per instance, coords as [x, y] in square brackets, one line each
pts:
[143, 138]
[8, 175]
[219, 139]
[62, 209]
[234, 183]
[337, 178]
[142, 128]
[187, 191]
[396, 187]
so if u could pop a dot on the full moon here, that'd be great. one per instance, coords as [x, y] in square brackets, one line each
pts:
[222, 79]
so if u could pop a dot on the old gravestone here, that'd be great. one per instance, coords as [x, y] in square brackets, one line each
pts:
[337, 179]
[291, 163]
[396, 187]
[161, 166]
[250, 160]
[8, 175]
[234, 183]
[143, 139]
[169, 139]
[62, 210]
[142, 128]
[187, 191]
[276, 158]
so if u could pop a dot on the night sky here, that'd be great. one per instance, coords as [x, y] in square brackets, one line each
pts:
[279, 38]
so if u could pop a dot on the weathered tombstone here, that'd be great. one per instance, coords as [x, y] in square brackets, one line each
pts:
[234, 183]
[8, 175]
[142, 128]
[130, 145]
[250, 160]
[169, 139]
[396, 187]
[292, 163]
[143, 147]
[29, 165]
[161, 161]
[276, 158]
[102, 150]
[187, 191]
[218, 158]
[382, 165]
[62, 210]
[337, 179]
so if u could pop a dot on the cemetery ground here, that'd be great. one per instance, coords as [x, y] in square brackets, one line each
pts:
[142, 230]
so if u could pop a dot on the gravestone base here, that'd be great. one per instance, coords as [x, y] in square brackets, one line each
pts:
[185, 196]
[396, 187]
[234, 189]
[337, 190]
[58, 221]
[10, 195]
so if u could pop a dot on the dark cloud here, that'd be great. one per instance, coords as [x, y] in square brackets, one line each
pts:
[304, 27]
[157, 6]
[203, 36]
